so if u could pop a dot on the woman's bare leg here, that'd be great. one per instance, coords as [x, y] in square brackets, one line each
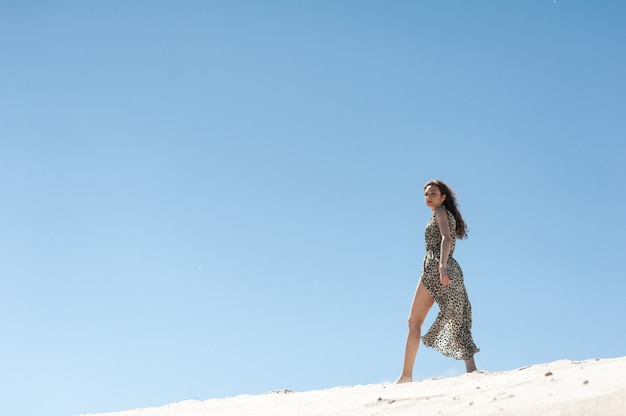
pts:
[422, 302]
[470, 365]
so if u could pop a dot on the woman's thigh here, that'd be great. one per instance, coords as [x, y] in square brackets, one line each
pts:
[422, 302]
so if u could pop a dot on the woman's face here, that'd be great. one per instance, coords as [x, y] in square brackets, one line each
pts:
[433, 197]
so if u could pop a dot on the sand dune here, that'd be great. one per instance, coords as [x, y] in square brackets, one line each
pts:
[574, 388]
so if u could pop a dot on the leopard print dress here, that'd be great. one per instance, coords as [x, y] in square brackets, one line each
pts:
[451, 332]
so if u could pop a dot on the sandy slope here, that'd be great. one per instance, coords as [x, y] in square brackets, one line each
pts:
[573, 388]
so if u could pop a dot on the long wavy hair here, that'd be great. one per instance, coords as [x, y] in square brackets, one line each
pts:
[450, 204]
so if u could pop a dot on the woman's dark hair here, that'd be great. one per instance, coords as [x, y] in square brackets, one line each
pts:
[450, 204]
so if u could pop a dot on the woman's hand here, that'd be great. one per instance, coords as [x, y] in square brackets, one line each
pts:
[443, 273]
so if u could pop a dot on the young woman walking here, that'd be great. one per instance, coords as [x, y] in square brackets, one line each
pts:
[441, 281]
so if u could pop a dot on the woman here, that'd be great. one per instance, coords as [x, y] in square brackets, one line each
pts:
[441, 281]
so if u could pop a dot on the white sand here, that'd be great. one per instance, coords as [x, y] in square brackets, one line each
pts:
[573, 388]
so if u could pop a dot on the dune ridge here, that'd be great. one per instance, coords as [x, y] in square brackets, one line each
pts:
[594, 387]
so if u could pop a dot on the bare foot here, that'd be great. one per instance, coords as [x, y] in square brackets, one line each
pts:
[404, 379]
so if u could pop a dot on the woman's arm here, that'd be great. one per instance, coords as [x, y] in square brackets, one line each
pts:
[446, 242]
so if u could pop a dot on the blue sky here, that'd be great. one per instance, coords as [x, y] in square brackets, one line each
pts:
[208, 199]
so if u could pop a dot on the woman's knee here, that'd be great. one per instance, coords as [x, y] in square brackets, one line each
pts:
[415, 323]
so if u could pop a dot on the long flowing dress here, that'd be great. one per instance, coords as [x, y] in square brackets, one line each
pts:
[451, 332]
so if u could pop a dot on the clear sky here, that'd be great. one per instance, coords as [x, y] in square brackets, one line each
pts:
[209, 198]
